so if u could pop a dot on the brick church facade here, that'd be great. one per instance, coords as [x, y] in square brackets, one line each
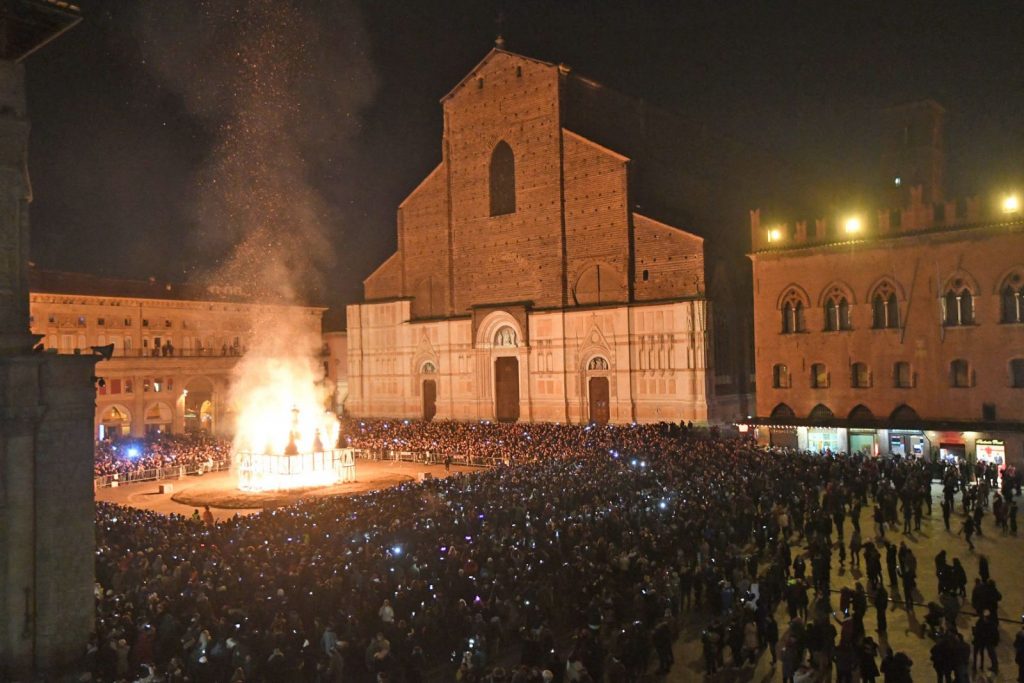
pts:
[542, 272]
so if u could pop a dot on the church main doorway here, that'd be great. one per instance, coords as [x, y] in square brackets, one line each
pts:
[599, 400]
[429, 399]
[506, 389]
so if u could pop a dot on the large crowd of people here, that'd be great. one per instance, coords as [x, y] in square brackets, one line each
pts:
[580, 560]
[128, 458]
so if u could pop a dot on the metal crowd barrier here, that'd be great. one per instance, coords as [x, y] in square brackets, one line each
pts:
[158, 474]
[420, 457]
[425, 457]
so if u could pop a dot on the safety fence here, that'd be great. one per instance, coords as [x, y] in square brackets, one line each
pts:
[159, 473]
[428, 457]
[379, 455]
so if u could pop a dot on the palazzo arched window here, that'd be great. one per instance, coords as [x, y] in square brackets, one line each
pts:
[837, 311]
[793, 313]
[1011, 299]
[503, 180]
[958, 304]
[885, 308]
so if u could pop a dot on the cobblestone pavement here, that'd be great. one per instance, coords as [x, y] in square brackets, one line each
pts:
[905, 629]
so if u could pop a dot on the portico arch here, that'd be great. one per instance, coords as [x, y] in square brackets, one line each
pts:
[199, 405]
[115, 421]
[158, 418]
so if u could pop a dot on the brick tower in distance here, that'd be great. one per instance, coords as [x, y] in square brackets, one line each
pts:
[913, 152]
[46, 412]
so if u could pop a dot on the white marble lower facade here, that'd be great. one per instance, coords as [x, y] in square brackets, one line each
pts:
[651, 359]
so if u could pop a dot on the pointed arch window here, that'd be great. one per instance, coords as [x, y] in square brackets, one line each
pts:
[837, 311]
[958, 304]
[885, 309]
[503, 180]
[793, 313]
[1011, 299]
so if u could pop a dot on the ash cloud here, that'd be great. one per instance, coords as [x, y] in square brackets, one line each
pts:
[279, 85]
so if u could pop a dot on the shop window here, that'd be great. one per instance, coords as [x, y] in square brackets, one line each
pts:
[1017, 373]
[860, 376]
[819, 376]
[901, 375]
[959, 373]
[780, 376]
[958, 305]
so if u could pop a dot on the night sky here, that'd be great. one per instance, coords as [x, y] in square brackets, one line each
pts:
[125, 146]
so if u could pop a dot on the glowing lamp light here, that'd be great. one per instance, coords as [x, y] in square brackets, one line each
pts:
[774, 235]
[133, 453]
[396, 551]
[852, 225]
[1011, 204]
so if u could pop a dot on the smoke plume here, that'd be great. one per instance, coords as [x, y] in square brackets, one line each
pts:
[278, 86]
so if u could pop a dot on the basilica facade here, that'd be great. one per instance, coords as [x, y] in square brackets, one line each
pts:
[542, 273]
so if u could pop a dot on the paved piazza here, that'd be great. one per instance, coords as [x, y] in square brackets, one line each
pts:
[189, 492]
[1006, 565]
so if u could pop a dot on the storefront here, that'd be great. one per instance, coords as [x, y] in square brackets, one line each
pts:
[991, 451]
[908, 443]
[783, 437]
[821, 439]
[863, 441]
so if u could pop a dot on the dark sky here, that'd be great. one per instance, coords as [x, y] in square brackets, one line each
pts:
[118, 147]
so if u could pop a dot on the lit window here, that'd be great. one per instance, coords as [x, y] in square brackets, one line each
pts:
[860, 376]
[819, 376]
[959, 374]
[897, 181]
[780, 376]
[901, 375]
